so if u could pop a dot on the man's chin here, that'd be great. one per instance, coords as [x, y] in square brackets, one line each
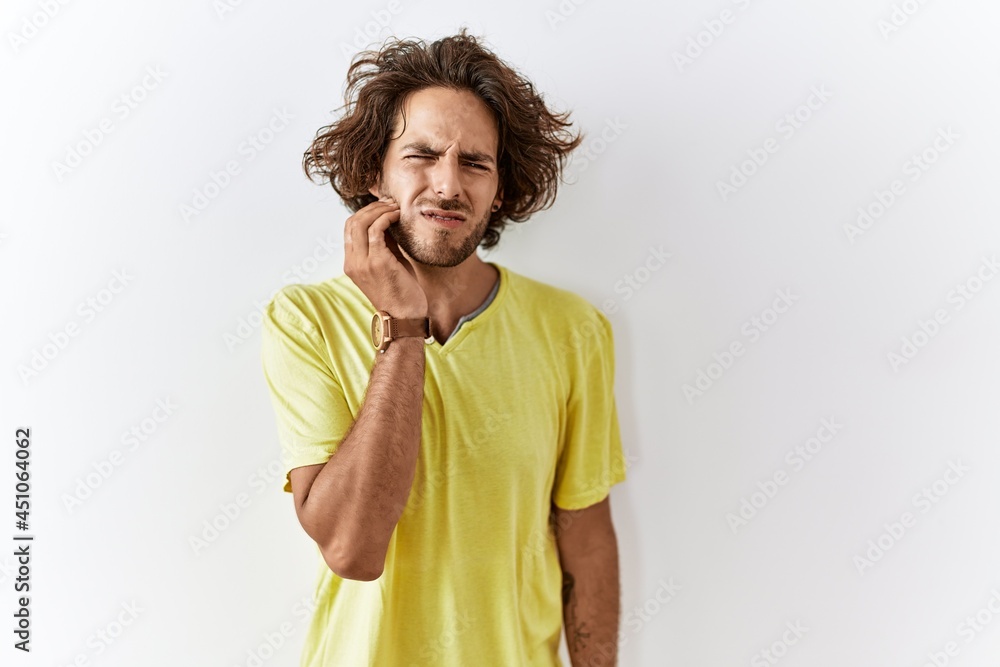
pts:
[429, 260]
[437, 261]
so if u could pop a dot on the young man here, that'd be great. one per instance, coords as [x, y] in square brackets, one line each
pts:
[448, 425]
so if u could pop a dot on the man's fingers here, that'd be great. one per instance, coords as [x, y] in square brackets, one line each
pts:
[356, 229]
[356, 234]
[368, 258]
[394, 248]
[379, 239]
[376, 233]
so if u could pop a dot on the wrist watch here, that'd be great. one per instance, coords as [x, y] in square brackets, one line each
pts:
[386, 328]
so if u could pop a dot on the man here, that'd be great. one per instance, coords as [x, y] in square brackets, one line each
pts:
[448, 425]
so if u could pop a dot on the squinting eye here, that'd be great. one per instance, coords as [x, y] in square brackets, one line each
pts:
[428, 157]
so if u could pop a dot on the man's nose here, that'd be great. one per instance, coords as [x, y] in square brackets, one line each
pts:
[446, 177]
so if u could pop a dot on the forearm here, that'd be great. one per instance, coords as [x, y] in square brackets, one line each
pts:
[591, 605]
[359, 495]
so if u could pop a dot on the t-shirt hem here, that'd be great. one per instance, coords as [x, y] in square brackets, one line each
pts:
[592, 497]
[298, 464]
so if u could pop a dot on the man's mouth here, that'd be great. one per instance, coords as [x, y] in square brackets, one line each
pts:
[445, 218]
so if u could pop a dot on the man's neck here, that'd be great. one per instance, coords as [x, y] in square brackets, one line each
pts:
[454, 291]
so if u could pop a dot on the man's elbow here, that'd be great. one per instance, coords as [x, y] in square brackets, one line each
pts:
[349, 564]
[352, 549]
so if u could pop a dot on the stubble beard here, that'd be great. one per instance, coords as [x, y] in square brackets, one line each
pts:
[442, 251]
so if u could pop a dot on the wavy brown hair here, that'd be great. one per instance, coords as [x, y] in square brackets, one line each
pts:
[534, 142]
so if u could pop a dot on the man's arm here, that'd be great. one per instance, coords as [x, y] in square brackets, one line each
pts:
[588, 553]
[350, 505]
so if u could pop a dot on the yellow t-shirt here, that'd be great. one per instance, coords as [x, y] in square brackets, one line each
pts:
[518, 412]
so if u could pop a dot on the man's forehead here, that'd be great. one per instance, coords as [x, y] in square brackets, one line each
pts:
[431, 120]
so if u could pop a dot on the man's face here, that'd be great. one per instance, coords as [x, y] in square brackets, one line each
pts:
[445, 160]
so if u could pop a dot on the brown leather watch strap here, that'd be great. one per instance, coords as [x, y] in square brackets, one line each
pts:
[406, 328]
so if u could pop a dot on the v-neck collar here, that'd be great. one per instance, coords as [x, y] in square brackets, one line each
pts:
[469, 325]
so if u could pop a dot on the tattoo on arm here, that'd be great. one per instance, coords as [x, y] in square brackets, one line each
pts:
[575, 635]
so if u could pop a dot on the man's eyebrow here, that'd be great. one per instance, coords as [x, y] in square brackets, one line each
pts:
[472, 156]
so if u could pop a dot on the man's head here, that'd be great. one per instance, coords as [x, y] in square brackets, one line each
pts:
[447, 126]
[441, 160]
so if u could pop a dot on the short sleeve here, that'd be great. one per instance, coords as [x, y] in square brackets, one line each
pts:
[311, 412]
[591, 461]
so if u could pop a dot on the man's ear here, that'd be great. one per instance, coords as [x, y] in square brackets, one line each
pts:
[375, 189]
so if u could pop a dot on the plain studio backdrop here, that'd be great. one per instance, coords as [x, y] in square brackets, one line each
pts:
[787, 210]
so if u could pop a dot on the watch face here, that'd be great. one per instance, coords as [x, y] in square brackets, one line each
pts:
[376, 330]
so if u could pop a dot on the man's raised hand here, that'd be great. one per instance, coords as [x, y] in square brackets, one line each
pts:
[373, 260]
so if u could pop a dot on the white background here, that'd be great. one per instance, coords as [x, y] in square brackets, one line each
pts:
[193, 286]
